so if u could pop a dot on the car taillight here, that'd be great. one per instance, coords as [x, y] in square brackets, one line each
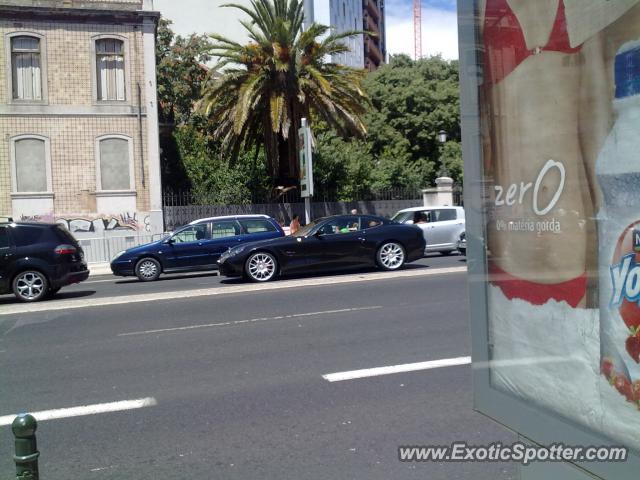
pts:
[65, 249]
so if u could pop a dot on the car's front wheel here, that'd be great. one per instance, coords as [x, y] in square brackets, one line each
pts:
[30, 286]
[391, 256]
[148, 269]
[261, 267]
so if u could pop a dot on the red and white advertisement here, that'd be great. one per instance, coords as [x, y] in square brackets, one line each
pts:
[560, 131]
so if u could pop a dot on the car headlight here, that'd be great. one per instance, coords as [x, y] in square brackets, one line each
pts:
[118, 255]
[236, 250]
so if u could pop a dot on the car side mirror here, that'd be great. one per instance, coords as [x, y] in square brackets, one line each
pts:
[169, 241]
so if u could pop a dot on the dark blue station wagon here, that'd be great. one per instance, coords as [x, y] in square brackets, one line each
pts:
[194, 247]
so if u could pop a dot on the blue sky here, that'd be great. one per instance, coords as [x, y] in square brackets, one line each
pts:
[439, 27]
[447, 5]
[439, 23]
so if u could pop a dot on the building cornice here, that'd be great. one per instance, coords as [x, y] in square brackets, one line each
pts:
[25, 110]
[82, 15]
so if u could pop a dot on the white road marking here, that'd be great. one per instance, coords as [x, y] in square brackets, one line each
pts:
[407, 367]
[252, 320]
[526, 361]
[85, 410]
[89, 302]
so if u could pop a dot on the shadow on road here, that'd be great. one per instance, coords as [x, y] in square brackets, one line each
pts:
[168, 277]
[62, 295]
[301, 276]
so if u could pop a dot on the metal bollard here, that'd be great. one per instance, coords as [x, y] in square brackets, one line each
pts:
[24, 429]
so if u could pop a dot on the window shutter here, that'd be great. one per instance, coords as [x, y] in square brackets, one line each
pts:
[31, 163]
[114, 164]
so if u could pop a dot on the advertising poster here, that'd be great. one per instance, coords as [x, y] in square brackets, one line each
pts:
[560, 132]
[305, 159]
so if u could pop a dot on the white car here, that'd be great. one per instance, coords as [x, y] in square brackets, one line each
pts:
[441, 226]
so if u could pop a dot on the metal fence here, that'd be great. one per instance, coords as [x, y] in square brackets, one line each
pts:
[188, 198]
[103, 249]
[181, 208]
[175, 216]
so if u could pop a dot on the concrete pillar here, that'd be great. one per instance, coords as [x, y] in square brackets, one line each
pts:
[445, 191]
[441, 195]
[156, 220]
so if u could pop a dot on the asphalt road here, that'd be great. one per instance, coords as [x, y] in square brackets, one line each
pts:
[237, 382]
[108, 285]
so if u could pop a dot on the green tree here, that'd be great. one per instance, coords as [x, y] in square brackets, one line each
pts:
[215, 180]
[260, 91]
[413, 101]
[191, 158]
[181, 71]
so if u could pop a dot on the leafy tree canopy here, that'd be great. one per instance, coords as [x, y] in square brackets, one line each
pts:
[262, 90]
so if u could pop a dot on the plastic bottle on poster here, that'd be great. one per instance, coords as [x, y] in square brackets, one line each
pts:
[618, 173]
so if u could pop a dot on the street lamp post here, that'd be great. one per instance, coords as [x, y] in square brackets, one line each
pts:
[442, 139]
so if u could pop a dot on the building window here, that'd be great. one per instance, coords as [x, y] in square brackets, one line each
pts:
[110, 70]
[115, 163]
[31, 164]
[26, 68]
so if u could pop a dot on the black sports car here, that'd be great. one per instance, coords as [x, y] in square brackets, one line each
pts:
[331, 243]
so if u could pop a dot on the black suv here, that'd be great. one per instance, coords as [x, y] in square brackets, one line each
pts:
[37, 259]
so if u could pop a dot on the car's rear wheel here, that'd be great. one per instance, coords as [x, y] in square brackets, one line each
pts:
[148, 269]
[391, 256]
[30, 286]
[261, 267]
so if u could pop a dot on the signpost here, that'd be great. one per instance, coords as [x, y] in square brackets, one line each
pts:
[305, 157]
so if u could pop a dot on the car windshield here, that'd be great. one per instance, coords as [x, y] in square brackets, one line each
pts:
[304, 231]
[402, 217]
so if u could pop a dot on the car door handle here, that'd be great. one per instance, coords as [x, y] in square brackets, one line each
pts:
[200, 244]
[362, 239]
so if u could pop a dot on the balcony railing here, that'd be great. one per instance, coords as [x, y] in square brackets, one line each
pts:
[373, 52]
[373, 9]
[371, 25]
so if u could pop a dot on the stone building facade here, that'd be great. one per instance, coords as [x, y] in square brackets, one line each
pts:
[78, 115]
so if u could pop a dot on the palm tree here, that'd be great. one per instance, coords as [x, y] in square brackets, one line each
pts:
[259, 92]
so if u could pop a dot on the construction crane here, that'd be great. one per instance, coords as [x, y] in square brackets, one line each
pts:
[417, 28]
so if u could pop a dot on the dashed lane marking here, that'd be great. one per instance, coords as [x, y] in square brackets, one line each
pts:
[85, 410]
[89, 302]
[252, 320]
[407, 367]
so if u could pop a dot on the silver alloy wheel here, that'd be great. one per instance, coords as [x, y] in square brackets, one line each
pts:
[391, 256]
[148, 269]
[30, 285]
[261, 267]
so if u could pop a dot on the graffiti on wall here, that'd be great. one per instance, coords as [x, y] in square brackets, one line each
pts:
[82, 223]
